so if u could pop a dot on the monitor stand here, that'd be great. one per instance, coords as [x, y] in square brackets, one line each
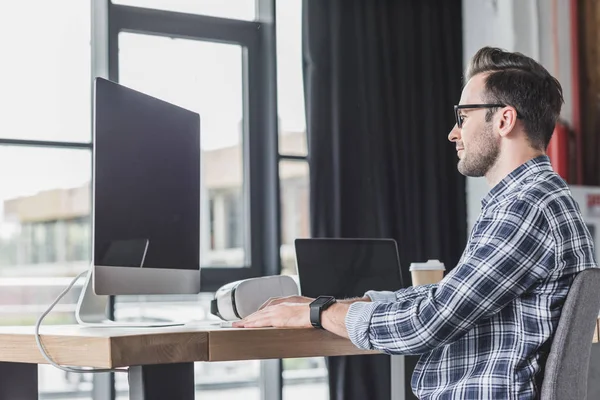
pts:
[91, 310]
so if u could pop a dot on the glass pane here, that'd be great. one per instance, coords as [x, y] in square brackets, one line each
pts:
[207, 78]
[295, 209]
[234, 9]
[44, 243]
[303, 378]
[290, 87]
[45, 90]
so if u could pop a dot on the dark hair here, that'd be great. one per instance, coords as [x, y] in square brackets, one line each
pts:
[519, 81]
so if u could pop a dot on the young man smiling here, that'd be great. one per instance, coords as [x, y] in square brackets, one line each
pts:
[485, 330]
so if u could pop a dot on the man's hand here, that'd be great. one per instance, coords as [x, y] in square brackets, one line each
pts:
[273, 301]
[284, 315]
[304, 300]
[294, 312]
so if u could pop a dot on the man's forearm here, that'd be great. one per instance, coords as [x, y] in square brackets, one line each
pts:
[334, 318]
[354, 300]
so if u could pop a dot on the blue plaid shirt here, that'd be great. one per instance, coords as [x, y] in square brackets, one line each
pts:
[485, 330]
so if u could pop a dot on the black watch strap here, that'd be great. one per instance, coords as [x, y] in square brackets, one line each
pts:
[315, 317]
[318, 305]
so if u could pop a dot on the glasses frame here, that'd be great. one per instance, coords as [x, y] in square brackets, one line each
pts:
[459, 107]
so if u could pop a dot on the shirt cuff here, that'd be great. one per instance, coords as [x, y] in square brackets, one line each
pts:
[384, 297]
[358, 321]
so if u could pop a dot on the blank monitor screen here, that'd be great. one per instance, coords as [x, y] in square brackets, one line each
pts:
[347, 267]
[146, 181]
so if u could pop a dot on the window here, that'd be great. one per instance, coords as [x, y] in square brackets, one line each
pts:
[207, 78]
[290, 86]
[234, 9]
[35, 206]
[78, 237]
[212, 76]
[293, 151]
[45, 93]
[216, 67]
[233, 213]
[42, 242]
[295, 217]
[45, 70]
[306, 377]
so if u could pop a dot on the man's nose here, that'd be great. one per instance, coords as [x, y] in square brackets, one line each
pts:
[454, 134]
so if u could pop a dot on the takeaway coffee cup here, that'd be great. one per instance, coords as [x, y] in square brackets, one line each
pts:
[424, 273]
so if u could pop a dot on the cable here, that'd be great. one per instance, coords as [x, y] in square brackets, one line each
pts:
[38, 339]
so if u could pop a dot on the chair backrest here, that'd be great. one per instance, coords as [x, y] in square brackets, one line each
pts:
[566, 372]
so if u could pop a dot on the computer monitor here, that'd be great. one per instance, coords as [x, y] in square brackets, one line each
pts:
[346, 268]
[146, 194]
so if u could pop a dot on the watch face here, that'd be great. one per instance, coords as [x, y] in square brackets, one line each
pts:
[319, 304]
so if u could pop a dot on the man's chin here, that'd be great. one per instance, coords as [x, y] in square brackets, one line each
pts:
[461, 167]
[466, 171]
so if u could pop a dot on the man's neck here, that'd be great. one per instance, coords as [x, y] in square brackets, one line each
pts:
[506, 165]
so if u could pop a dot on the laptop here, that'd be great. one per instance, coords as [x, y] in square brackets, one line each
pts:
[346, 268]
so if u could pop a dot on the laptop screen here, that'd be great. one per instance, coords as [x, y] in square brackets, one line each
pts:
[347, 267]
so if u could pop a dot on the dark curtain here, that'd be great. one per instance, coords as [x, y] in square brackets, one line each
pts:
[381, 77]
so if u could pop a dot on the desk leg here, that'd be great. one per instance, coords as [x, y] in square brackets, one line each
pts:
[18, 381]
[159, 382]
[398, 378]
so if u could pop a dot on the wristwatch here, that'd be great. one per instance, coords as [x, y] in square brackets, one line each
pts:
[317, 306]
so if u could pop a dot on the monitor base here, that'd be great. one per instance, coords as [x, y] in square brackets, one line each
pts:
[91, 310]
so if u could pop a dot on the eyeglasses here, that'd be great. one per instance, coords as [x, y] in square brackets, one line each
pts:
[457, 109]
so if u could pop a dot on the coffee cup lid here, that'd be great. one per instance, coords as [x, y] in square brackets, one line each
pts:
[435, 265]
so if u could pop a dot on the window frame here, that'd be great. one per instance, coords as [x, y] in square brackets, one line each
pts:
[260, 141]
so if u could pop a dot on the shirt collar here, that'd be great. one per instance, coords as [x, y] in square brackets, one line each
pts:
[516, 177]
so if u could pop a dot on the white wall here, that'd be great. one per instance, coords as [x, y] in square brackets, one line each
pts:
[517, 25]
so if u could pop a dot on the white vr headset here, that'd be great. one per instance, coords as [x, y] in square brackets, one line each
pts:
[237, 300]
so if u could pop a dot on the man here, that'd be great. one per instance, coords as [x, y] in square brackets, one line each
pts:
[485, 330]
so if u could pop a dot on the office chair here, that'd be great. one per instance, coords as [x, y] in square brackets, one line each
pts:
[566, 373]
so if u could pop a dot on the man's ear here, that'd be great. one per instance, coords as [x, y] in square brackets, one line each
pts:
[507, 119]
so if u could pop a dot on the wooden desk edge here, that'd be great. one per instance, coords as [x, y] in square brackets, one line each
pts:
[64, 350]
[159, 349]
[175, 347]
[106, 351]
[270, 343]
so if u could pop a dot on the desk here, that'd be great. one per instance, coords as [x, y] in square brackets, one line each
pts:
[160, 360]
